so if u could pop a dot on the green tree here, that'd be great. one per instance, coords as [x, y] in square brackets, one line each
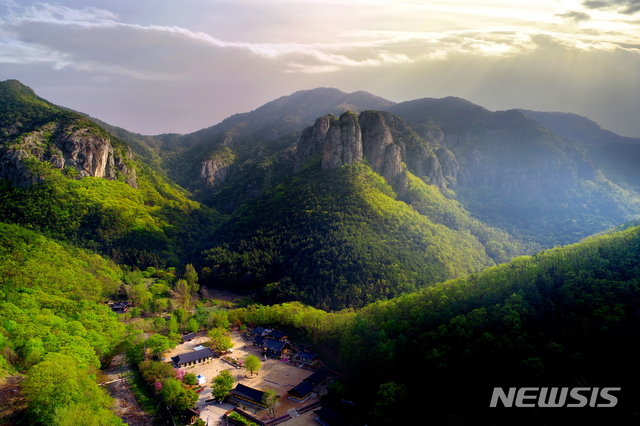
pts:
[141, 296]
[270, 399]
[222, 384]
[191, 276]
[252, 364]
[135, 347]
[155, 371]
[158, 344]
[220, 339]
[189, 379]
[55, 383]
[391, 397]
[181, 315]
[83, 414]
[184, 293]
[173, 325]
[175, 395]
[186, 399]
[171, 391]
[192, 325]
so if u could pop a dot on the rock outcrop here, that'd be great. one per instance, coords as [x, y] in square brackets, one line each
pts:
[70, 148]
[350, 138]
[310, 144]
[214, 171]
[384, 156]
[215, 168]
[343, 142]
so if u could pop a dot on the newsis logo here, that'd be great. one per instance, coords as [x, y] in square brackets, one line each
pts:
[554, 397]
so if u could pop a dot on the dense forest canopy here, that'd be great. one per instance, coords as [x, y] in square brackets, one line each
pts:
[411, 286]
[54, 324]
[565, 317]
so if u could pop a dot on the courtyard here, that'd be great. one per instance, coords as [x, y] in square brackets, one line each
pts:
[273, 374]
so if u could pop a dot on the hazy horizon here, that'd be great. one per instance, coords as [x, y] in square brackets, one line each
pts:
[153, 67]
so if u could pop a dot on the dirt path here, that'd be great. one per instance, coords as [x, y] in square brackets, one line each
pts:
[12, 403]
[126, 406]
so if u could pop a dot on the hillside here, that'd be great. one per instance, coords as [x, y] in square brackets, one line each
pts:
[336, 239]
[69, 179]
[352, 224]
[195, 161]
[615, 154]
[518, 175]
[565, 317]
[55, 326]
[549, 182]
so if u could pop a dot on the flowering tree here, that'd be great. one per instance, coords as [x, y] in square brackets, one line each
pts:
[180, 373]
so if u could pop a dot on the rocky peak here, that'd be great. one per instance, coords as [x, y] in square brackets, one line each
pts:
[378, 146]
[310, 143]
[343, 142]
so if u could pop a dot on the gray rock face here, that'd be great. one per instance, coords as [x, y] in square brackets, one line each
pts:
[310, 143]
[87, 153]
[426, 163]
[214, 171]
[449, 163]
[378, 146]
[376, 138]
[342, 143]
[349, 139]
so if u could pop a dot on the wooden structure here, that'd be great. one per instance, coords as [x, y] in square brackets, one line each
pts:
[192, 358]
[245, 394]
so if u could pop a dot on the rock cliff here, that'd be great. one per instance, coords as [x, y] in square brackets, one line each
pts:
[343, 142]
[384, 140]
[80, 151]
[310, 144]
[383, 154]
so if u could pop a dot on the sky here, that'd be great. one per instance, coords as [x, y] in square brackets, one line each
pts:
[177, 66]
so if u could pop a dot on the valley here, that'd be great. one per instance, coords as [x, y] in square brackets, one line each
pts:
[475, 248]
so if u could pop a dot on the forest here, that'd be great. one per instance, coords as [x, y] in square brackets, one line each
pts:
[424, 293]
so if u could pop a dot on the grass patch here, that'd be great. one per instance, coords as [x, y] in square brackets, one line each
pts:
[142, 392]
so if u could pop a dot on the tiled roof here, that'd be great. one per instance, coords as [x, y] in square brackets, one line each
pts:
[193, 356]
[274, 345]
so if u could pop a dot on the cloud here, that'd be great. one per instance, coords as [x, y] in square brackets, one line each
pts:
[154, 71]
[575, 16]
[77, 39]
[627, 7]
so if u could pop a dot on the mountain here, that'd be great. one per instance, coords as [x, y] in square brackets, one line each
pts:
[64, 176]
[513, 183]
[614, 153]
[518, 175]
[494, 179]
[281, 116]
[578, 128]
[203, 159]
[353, 224]
[32, 128]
